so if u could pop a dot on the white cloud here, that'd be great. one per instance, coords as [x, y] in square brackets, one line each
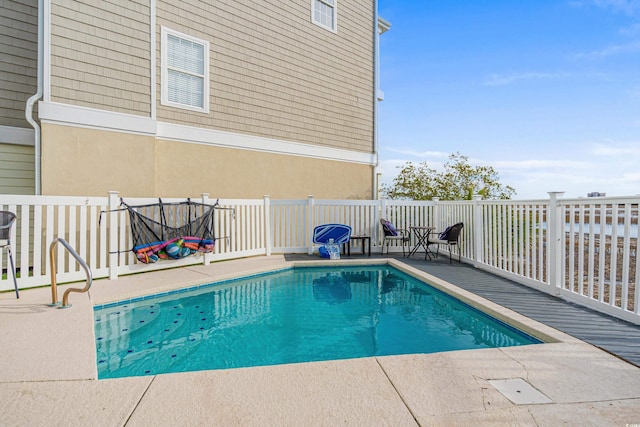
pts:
[631, 47]
[616, 150]
[530, 164]
[631, 177]
[389, 168]
[536, 184]
[507, 79]
[420, 154]
[628, 7]
[632, 30]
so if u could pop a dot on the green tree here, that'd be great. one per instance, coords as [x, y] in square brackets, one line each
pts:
[458, 181]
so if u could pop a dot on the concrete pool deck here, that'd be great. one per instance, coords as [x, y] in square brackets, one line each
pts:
[48, 374]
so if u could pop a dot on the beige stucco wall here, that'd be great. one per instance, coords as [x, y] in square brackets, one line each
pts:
[232, 173]
[84, 162]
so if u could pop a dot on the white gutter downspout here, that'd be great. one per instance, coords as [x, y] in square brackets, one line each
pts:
[34, 98]
[381, 26]
[376, 87]
[152, 53]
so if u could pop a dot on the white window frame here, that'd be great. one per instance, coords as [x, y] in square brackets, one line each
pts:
[164, 98]
[335, 14]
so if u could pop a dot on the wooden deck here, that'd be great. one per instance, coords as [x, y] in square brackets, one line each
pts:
[606, 332]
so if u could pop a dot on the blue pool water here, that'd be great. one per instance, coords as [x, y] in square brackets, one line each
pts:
[294, 315]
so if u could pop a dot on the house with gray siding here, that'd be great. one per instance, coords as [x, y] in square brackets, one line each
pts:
[159, 98]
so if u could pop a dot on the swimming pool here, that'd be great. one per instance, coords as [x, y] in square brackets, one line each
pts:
[294, 315]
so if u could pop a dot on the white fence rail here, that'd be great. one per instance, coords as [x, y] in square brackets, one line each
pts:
[585, 250]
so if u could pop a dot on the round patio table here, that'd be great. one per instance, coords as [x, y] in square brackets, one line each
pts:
[422, 234]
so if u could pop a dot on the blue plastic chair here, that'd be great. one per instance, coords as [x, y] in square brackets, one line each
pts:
[340, 233]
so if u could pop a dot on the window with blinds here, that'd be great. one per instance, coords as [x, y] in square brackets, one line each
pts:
[324, 13]
[185, 71]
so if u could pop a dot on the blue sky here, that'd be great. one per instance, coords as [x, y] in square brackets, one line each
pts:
[545, 91]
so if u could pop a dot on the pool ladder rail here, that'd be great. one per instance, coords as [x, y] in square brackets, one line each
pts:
[54, 285]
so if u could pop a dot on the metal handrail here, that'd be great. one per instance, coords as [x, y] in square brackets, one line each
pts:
[54, 285]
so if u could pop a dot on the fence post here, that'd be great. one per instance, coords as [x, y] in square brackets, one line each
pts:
[381, 213]
[267, 225]
[206, 257]
[436, 214]
[310, 219]
[112, 242]
[556, 233]
[478, 232]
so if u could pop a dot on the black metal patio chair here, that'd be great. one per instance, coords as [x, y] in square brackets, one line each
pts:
[449, 237]
[392, 234]
[6, 221]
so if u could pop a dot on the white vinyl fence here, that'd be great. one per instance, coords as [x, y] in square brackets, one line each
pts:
[584, 250]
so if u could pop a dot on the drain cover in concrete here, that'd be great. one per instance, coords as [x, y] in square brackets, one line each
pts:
[519, 391]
